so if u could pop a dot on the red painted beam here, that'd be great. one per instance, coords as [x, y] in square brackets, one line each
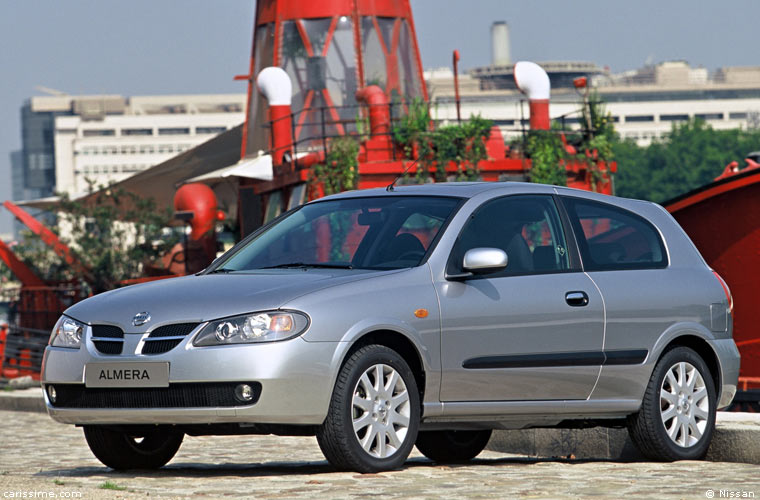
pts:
[26, 276]
[50, 239]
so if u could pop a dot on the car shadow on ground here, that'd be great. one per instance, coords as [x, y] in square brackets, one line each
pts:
[284, 468]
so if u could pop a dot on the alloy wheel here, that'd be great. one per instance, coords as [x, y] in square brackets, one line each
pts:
[380, 411]
[684, 404]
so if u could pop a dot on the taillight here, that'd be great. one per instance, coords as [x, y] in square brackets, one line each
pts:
[727, 291]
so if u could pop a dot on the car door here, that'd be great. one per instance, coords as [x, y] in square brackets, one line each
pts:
[625, 256]
[533, 331]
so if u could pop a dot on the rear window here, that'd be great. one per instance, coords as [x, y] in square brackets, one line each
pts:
[610, 238]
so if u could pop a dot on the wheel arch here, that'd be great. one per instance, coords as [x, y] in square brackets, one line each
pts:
[400, 343]
[700, 345]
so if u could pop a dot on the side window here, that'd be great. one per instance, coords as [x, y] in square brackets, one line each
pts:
[611, 238]
[526, 227]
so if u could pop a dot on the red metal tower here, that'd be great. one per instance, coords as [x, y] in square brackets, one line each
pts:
[330, 49]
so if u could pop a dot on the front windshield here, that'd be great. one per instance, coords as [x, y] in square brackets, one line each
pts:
[388, 232]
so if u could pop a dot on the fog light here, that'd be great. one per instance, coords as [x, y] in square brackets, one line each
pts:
[244, 393]
[51, 393]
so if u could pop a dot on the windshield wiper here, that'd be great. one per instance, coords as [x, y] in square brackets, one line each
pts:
[309, 265]
[222, 270]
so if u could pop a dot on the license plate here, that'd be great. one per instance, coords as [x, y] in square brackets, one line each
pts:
[129, 374]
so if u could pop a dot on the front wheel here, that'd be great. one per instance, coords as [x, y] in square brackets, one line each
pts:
[143, 449]
[452, 446]
[677, 415]
[374, 413]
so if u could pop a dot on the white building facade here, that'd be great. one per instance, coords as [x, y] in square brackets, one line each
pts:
[100, 140]
[643, 106]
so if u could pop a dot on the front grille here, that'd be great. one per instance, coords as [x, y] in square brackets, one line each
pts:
[159, 346]
[165, 338]
[111, 347]
[107, 331]
[176, 330]
[196, 395]
[108, 347]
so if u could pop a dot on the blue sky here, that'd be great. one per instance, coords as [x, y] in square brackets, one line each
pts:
[144, 47]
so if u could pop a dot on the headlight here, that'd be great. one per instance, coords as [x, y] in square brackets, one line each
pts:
[255, 327]
[67, 333]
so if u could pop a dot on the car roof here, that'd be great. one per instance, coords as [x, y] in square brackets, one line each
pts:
[458, 189]
[471, 189]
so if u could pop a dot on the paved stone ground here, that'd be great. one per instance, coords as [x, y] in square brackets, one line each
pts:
[37, 454]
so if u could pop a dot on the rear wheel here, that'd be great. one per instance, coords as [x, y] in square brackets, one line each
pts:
[677, 416]
[452, 446]
[144, 449]
[374, 413]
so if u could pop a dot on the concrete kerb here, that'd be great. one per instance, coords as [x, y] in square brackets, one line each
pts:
[736, 438]
[22, 399]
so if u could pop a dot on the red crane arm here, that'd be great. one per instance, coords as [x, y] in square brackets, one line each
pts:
[50, 239]
[18, 268]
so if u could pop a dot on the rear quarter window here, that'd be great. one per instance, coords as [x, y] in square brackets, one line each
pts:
[612, 238]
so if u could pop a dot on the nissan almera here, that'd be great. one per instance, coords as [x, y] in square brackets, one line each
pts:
[422, 315]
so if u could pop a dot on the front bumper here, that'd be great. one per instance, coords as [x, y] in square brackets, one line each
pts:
[296, 379]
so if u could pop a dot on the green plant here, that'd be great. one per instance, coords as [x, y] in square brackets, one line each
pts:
[108, 485]
[546, 154]
[463, 144]
[340, 172]
[412, 133]
[58, 482]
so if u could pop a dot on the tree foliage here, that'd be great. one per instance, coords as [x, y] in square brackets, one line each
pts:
[692, 155]
[113, 235]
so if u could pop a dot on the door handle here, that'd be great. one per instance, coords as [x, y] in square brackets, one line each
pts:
[576, 299]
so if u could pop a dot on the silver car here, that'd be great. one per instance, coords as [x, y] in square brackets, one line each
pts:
[421, 315]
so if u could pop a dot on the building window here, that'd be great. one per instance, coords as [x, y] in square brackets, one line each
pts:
[709, 116]
[137, 131]
[737, 116]
[166, 148]
[147, 149]
[674, 118]
[210, 130]
[174, 131]
[639, 118]
[99, 132]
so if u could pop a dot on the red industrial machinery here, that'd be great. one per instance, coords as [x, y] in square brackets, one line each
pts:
[347, 59]
[722, 220]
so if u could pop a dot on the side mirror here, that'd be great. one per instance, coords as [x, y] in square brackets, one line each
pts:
[481, 261]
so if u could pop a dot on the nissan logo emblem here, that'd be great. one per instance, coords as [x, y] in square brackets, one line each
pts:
[141, 318]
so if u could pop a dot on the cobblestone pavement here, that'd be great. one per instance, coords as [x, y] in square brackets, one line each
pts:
[39, 455]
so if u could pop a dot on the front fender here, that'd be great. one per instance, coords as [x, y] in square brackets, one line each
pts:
[429, 355]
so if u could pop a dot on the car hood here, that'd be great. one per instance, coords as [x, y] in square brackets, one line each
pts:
[207, 297]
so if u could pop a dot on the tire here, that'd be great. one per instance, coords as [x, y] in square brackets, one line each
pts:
[121, 450]
[452, 446]
[676, 422]
[386, 418]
